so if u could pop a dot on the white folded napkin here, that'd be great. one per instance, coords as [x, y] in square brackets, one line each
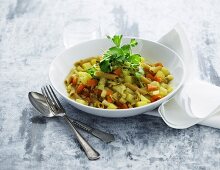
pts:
[197, 101]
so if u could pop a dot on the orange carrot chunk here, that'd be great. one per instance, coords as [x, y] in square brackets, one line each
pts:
[80, 88]
[158, 64]
[121, 105]
[151, 87]
[155, 98]
[97, 91]
[124, 106]
[74, 80]
[158, 79]
[109, 99]
[150, 76]
[109, 92]
[117, 72]
[92, 82]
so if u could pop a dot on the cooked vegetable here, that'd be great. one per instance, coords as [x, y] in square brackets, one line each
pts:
[119, 79]
[105, 75]
[80, 88]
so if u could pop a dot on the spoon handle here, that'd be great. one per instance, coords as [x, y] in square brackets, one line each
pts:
[106, 137]
[91, 153]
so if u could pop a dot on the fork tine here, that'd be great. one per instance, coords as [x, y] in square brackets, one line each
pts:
[52, 97]
[47, 98]
[57, 100]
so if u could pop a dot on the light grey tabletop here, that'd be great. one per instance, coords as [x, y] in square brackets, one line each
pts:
[31, 35]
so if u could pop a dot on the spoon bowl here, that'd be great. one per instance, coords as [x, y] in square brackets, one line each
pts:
[40, 104]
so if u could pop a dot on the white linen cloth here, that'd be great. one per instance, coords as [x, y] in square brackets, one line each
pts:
[197, 101]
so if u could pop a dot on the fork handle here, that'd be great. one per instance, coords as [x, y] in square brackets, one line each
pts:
[91, 153]
[106, 137]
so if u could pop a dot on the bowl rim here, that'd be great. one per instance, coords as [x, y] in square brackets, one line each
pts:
[120, 110]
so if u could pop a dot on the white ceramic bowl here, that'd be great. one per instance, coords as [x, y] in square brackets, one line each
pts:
[156, 52]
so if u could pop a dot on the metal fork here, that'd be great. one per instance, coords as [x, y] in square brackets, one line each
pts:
[58, 110]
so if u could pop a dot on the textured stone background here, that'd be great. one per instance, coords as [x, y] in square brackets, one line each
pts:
[31, 35]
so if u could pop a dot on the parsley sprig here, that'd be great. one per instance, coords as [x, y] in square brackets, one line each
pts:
[120, 56]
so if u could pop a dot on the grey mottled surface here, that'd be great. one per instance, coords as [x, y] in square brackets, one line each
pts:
[31, 35]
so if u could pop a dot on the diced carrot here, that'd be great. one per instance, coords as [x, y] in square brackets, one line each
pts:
[150, 76]
[151, 72]
[155, 98]
[158, 64]
[117, 72]
[109, 99]
[97, 91]
[80, 88]
[88, 99]
[158, 79]
[124, 106]
[74, 80]
[109, 92]
[151, 87]
[86, 92]
[121, 105]
[92, 82]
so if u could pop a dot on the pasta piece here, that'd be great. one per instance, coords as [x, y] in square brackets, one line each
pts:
[130, 97]
[170, 77]
[105, 75]
[101, 84]
[135, 88]
[74, 95]
[112, 106]
[143, 98]
[164, 85]
[145, 66]
[84, 61]
[69, 77]
[145, 80]
[93, 61]
[165, 71]
[86, 65]
[98, 104]
[155, 69]
[69, 88]
[163, 91]
[129, 91]
[160, 74]
[125, 72]
[116, 96]
[119, 88]
[141, 103]
[84, 77]
[79, 68]
[122, 100]
[169, 89]
[155, 83]
[129, 79]
[103, 94]
[153, 93]
[109, 105]
[82, 101]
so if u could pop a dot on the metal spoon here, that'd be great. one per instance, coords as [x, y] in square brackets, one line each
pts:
[40, 104]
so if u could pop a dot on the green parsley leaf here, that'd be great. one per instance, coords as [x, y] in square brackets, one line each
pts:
[115, 51]
[117, 40]
[133, 42]
[137, 75]
[91, 71]
[126, 49]
[134, 59]
[105, 66]
[120, 56]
